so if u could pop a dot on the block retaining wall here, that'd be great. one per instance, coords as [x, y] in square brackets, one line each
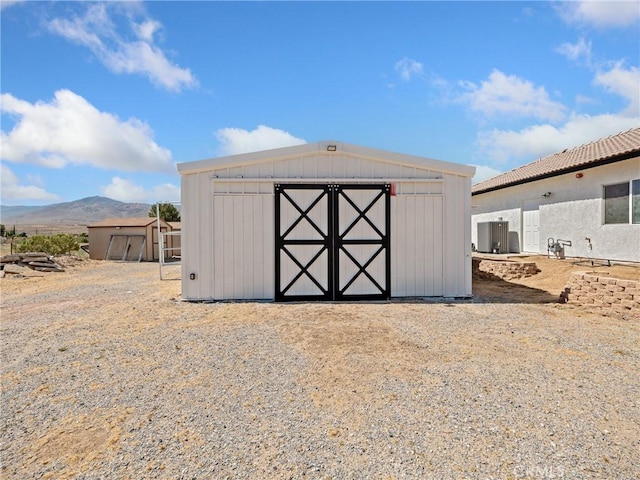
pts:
[611, 295]
[505, 270]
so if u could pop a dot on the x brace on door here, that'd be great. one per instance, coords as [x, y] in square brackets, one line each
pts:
[326, 254]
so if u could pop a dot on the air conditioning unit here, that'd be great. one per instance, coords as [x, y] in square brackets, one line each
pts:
[493, 237]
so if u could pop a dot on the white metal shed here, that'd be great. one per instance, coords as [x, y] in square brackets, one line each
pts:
[325, 221]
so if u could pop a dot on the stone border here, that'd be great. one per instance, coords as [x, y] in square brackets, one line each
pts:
[611, 295]
[506, 270]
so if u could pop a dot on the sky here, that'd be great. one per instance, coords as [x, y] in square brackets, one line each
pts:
[106, 98]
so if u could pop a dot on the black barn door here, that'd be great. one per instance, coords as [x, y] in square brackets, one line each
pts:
[332, 242]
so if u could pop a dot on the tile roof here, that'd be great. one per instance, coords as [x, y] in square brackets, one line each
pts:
[584, 156]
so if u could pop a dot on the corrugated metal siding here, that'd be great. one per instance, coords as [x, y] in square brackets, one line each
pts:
[417, 263]
[243, 247]
[319, 168]
[197, 223]
[457, 247]
[229, 233]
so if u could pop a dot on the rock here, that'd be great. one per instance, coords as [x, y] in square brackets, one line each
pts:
[49, 269]
[13, 268]
[43, 264]
[37, 259]
[34, 260]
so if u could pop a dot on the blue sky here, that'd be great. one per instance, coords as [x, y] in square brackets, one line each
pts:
[106, 98]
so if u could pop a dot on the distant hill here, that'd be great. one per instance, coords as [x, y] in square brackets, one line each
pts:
[79, 212]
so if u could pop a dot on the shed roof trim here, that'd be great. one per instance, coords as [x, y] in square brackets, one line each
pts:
[622, 146]
[127, 222]
[320, 148]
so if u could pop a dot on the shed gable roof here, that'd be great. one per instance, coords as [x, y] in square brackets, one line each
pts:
[126, 222]
[605, 150]
[321, 149]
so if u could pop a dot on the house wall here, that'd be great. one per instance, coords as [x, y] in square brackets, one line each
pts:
[228, 235]
[573, 212]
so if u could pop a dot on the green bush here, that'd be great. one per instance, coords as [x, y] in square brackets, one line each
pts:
[82, 238]
[58, 244]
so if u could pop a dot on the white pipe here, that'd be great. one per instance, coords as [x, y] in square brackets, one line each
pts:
[325, 180]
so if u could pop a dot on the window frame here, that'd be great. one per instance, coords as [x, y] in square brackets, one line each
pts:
[632, 200]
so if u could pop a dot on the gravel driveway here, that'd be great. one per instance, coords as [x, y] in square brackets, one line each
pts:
[107, 374]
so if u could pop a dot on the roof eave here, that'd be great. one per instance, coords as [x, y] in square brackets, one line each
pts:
[310, 149]
[556, 173]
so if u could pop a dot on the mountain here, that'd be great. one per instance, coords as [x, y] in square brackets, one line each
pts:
[79, 212]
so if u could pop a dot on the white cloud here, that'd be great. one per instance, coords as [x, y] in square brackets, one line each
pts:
[69, 130]
[12, 189]
[576, 51]
[236, 140]
[510, 95]
[584, 100]
[124, 190]
[408, 68]
[8, 3]
[128, 191]
[623, 82]
[540, 140]
[601, 14]
[483, 172]
[147, 29]
[536, 141]
[165, 192]
[97, 31]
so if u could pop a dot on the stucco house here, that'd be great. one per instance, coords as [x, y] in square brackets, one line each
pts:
[586, 199]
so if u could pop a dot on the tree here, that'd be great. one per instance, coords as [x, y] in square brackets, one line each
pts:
[168, 212]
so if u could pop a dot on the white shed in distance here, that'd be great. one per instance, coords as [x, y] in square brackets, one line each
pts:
[325, 221]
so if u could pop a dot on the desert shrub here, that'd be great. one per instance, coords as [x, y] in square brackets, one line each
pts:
[82, 238]
[58, 244]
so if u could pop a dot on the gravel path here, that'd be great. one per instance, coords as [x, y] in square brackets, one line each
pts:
[106, 374]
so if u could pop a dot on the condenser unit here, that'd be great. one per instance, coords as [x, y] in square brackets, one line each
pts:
[493, 237]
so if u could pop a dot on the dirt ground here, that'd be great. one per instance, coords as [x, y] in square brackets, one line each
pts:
[545, 286]
[107, 374]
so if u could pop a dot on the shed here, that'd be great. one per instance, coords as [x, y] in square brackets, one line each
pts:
[173, 239]
[325, 221]
[584, 200]
[131, 239]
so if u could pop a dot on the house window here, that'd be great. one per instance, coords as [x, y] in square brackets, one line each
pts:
[622, 203]
[635, 201]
